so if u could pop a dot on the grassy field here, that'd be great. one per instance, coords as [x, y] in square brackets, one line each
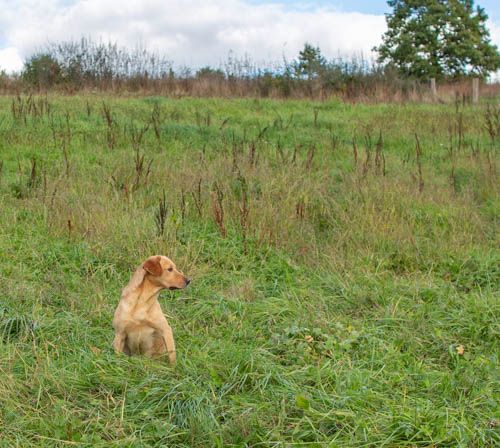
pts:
[344, 259]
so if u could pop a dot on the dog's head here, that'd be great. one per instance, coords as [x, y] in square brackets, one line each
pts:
[161, 271]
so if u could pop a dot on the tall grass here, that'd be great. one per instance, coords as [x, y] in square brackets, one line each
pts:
[344, 262]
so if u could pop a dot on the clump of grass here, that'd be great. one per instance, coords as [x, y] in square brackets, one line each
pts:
[218, 209]
[110, 125]
[418, 152]
[26, 184]
[142, 169]
[161, 215]
[492, 121]
[196, 194]
[15, 327]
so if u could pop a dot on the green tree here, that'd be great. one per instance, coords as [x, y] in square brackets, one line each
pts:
[438, 38]
[310, 62]
[208, 72]
[42, 70]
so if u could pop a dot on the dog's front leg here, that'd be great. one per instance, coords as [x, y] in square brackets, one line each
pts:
[168, 337]
[119, 342]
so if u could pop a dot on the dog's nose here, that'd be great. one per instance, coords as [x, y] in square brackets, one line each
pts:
[187, 280]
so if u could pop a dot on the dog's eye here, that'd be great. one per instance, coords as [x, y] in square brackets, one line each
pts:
[170, 269]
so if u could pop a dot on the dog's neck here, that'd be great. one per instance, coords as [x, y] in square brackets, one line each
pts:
[148, 290]
[144, 291]
[140, 288]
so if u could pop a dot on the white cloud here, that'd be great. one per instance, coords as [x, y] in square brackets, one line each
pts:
[494, 32]
[10, 60]
[189, 32]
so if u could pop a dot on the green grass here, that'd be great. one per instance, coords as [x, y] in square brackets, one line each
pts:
[331, 314]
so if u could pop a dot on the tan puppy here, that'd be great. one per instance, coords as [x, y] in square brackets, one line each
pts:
[140, 326]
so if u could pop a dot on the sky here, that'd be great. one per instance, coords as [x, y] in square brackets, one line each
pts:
[195, 33]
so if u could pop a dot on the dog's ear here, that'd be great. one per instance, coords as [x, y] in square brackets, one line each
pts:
[136, 280]
[153, 266]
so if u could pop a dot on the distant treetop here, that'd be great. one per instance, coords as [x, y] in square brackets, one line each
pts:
[437, 39]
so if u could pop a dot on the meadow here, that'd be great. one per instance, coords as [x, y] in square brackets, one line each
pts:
[344, 259]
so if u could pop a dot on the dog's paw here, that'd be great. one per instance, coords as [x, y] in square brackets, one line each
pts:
[172, 357]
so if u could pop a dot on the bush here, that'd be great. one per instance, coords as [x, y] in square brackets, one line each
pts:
[42, 71]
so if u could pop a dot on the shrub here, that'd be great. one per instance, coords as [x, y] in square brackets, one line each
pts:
[42, 70]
